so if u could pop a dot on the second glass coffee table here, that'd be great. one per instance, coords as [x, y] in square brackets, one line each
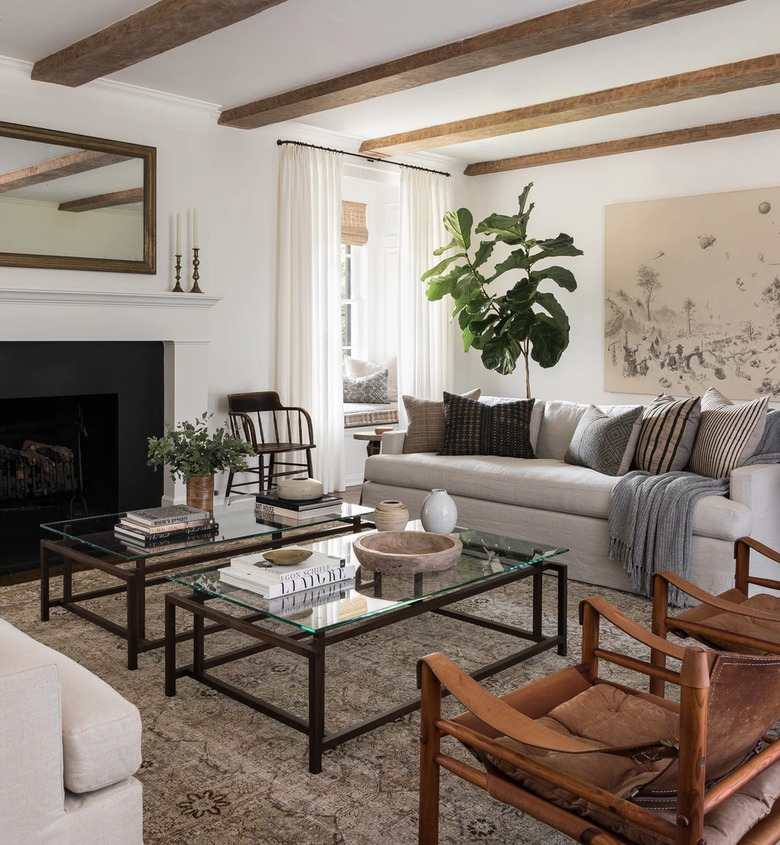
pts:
[91, 543]
[315, 619]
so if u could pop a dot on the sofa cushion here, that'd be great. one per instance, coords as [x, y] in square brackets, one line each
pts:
[101, 731]
[476, 428]
[728, 433]
[356, 367]
[371, 388]
[425, 423]
[668, 432]
[605, 443]
[559, 422]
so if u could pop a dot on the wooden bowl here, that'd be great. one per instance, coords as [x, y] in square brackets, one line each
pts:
[286, 557]
[400, 552]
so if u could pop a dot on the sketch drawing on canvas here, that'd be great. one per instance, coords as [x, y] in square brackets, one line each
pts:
[692, 290]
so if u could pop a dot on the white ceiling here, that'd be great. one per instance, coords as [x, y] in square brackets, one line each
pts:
[305, 41]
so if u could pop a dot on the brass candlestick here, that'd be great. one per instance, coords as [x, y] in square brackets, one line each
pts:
[195, 275]
[178, 288]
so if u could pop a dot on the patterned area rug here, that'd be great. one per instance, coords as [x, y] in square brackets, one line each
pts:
[218, 772]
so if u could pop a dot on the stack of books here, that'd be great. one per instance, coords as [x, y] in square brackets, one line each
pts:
[255, 573]
[269, 507]
[176, 524]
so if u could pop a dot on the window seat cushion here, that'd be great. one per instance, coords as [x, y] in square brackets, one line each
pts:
[358, 414]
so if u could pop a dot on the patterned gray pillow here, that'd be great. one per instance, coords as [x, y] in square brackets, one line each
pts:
[369, 390]
[600, 441]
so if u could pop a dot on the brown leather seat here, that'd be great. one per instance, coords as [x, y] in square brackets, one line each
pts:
[273, 430]
[607, 763]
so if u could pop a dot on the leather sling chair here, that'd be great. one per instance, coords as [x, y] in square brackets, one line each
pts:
[731, 621]
[273, 430]
[608, 764]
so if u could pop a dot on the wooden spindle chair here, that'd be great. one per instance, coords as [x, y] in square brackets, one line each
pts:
[608, 764]
[274, 430]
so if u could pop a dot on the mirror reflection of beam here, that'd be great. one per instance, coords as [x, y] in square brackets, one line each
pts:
[57, 168]
[104, 200]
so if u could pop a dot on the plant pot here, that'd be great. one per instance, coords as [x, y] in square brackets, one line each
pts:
[439, 513]
[200, 492]
[391, 515]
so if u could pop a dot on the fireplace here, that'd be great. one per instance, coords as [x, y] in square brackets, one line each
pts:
[74, 420]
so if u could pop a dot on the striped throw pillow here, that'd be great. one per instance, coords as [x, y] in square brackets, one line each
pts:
[667, 435]
[425, 423]
[728, 433]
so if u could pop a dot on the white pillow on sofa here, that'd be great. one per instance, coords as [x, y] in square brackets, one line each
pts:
[357, 368]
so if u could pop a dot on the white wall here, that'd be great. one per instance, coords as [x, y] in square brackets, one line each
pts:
[571, 198]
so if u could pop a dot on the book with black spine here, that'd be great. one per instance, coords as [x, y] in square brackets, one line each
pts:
[272, 512]
[167, 514]
[273, 499]
[165, 536]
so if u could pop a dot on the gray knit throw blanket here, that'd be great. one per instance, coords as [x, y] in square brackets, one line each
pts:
[651, 524]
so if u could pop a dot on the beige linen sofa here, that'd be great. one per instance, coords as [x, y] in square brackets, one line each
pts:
[548, 500]
[69, 746]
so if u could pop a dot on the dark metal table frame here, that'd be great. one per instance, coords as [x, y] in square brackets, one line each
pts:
[312, 646]
[137, 574]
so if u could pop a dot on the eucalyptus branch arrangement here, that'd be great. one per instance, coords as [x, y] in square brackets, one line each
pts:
[505, 326]
[189, 449]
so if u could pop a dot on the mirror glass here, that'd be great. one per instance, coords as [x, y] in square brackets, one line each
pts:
[74, 202]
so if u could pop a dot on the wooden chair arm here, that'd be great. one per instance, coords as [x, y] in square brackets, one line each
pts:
[505, 719]
[628, 626]
[710, 600]
[772, 554]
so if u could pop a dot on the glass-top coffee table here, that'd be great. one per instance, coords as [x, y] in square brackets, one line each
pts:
[315, 619]
[90, 542]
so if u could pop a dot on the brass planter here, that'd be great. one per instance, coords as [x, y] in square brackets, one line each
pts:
[200, 492]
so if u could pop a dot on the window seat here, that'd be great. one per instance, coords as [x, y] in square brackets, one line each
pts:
[357, 414]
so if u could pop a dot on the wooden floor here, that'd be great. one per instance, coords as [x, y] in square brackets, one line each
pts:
[350, 495]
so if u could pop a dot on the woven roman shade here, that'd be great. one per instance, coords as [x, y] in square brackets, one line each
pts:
[353, 223]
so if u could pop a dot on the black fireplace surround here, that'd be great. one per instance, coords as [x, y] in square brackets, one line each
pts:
[89, 404]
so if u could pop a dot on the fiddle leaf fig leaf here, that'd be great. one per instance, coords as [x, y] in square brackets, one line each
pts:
[442, 265]
[440, 286]
[458, 224]
[483, 253]
[555, 310]
[547, 341]
[552, 247]
[560, 275]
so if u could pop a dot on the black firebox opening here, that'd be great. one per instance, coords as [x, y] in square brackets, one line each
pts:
[74, 420]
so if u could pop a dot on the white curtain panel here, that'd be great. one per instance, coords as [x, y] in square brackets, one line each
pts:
[425, 358]
[308, 357]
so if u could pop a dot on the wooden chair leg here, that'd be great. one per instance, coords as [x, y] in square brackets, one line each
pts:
[261, 473]
[430, 742]
[229, 486]
[271, 471]
[742, 567]
[309, 463]
[661, 629]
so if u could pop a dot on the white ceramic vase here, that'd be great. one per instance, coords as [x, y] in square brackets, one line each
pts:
[391, 515]
[439, 513]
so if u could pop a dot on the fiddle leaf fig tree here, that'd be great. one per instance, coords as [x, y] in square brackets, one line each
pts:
[523, 321]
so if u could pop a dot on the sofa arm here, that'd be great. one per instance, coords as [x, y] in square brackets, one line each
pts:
[393, 442]
[757, 486]
[31, 778]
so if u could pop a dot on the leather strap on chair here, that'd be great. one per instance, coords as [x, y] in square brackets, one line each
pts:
[516, 725]
[714, 601]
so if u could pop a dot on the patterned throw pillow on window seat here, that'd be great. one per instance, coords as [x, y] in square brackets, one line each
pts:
[371, 389]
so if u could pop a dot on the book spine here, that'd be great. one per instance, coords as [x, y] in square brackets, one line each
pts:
[320, 504]
[271, 512]
[170, 535]
[292, 585]
[130, 525]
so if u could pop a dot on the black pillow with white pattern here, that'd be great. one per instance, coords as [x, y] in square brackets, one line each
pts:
[476, 428]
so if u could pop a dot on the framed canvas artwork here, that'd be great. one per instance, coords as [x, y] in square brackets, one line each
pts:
[692, 289]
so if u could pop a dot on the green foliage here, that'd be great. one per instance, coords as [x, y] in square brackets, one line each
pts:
[524, 321]
[188, 449]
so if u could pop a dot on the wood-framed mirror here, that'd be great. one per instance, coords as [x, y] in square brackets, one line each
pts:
[73, 202]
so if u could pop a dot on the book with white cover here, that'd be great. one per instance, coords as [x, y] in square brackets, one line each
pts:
[168, 514]
[240, 579]
[256, 564]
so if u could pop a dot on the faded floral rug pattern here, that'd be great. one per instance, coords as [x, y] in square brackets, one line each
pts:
[216, 772]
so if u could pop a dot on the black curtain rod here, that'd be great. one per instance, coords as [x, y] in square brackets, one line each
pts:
[367, 158]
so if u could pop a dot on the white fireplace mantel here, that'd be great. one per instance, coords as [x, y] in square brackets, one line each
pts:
[145, 299]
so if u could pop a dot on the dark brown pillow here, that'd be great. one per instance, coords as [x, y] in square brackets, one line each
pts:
[475, 428]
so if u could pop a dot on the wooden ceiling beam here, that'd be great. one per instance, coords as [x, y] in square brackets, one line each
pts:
[564, 28]
[129, 195]
[57, 168]
[147, 33]
[736, 76]
[710, 132]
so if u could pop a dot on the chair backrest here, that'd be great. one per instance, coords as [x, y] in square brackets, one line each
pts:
[261, 418]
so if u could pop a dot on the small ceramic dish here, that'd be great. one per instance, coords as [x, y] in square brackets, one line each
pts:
[286, 557]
